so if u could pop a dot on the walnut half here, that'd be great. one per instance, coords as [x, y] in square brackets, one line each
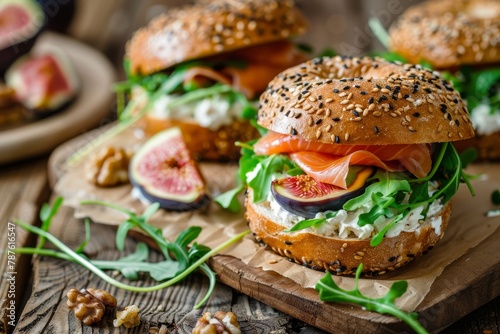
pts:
[221, 322]
[87, 308]
[105, 297]
[109, 167]
[129, 317]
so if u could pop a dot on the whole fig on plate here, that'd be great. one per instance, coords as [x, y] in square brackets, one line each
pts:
[21, 21]
[164, 172]
[304, 196]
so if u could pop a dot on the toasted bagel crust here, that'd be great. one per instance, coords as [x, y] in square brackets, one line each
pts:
[342, 256]
[209, 28]
[203, 143]
[364, 101]
[449, 33]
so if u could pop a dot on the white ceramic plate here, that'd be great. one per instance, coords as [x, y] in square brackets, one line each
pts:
[92, 106]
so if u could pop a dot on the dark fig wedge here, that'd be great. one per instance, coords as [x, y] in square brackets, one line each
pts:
[43, 82]
[304, 196]
[164, 172]
[21, 21]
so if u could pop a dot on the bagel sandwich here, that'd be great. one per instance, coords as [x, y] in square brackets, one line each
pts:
[357, 165]
[201, 68]
[461, 39]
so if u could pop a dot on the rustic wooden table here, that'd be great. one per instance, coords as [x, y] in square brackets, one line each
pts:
[41, 283]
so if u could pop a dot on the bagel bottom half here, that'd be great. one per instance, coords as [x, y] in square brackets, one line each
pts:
[486, 146]
[342, 256]
[203, 143]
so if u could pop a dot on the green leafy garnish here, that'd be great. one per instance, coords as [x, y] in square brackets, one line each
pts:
[384, 197]
[306, 223]
[477, 86]
[329, 291]
[257, 172]
[180, 258]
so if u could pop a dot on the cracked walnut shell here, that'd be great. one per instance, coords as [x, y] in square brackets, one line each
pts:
[87, 308]
[109, 167]
[129, 317]
[220, 323]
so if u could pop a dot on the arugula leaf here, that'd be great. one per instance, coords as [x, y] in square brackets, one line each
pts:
[85, 241]
[311, 222]
[266, 168]
[48, 212]
[329, 291]
[130, 266]
[229, 199]
[468, 156]
[257, 172]
[382, 189]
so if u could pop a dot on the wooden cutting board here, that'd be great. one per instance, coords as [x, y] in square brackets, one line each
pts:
[464, 285]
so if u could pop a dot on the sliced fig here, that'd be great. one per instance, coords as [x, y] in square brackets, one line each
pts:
[21, 21]
[44, 82]
[304, 196]
[164, 172]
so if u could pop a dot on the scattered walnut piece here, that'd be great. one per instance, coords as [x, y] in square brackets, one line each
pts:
[221, 322]
[105, 297]
[87, 308]
[109, 167]
[129, 317]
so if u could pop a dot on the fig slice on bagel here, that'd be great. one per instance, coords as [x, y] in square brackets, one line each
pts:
[330, 119]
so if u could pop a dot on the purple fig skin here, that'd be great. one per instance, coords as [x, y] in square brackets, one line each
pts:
[315, 196]
[163, 172]
[25, 39]
[172, 205]
[309, 209]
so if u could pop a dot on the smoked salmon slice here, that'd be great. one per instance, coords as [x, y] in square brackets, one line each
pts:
[262, 64]
[333, 170]
[329, 163]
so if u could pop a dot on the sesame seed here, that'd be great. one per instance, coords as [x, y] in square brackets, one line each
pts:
[346, 137]
[344, 102]
[318, 134]
[318, 121]
[343, 94]
[293, 132]
[328, 100]
[336, 119]
[375, 128]
[385, 90]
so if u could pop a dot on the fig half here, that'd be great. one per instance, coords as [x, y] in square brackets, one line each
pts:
[43, 82]
[304, 196]
[164, 172]
[21, 21]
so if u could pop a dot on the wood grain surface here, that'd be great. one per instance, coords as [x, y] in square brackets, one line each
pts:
[22, 189]
[170, 310]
